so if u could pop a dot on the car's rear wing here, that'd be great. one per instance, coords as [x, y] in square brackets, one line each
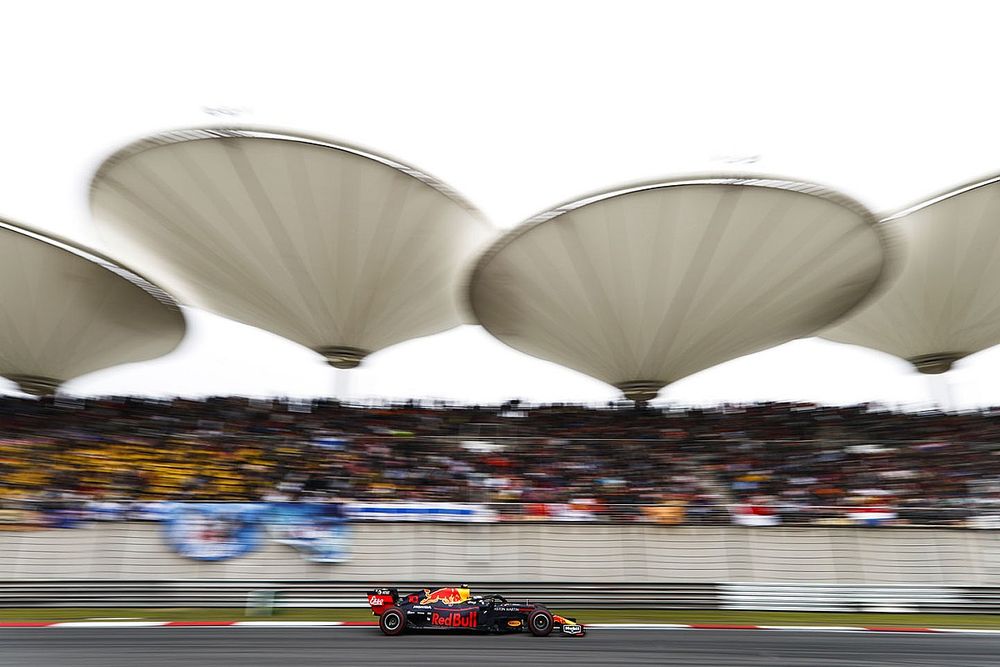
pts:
[381, 599]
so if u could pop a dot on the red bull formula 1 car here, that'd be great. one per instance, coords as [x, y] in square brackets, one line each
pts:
[456, 608]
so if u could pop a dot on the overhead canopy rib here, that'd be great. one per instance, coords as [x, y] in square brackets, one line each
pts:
[647, 284]
[66, 311]
[330, 246]
[944, 305]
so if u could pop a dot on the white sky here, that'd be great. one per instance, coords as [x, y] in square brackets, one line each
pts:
[519, 106]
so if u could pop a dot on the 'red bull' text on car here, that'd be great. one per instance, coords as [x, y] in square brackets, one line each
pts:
[456, 608]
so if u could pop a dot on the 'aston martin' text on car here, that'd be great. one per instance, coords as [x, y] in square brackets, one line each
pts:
[456, 608]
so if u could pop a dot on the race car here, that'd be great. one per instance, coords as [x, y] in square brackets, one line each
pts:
[455, 608]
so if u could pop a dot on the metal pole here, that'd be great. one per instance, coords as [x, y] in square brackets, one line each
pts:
[940, 389]
[342, 383]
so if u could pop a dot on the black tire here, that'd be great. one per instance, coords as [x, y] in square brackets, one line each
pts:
[392, 622]
[540, 622]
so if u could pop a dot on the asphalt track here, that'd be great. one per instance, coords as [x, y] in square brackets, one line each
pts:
[312, 647]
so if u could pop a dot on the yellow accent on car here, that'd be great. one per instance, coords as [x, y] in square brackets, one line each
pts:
[447, 595]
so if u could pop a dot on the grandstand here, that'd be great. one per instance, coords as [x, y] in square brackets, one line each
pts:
[797, 463]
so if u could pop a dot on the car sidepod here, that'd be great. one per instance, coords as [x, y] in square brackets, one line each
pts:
[446, 617]
[506, 617]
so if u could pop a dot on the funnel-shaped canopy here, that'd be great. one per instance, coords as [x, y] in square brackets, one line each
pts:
[66, 311]
[338, 249]
[945, 303]
[642, 286]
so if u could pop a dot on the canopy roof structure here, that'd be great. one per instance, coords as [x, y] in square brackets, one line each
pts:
[647, 284]
[945, 303]
[66, 311]
[336, 248]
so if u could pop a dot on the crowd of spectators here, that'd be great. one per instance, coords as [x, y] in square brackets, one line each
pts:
[765, 463]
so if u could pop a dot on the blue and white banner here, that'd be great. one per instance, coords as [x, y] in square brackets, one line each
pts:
[421, 511]
[336, 443]
[213, 531]
[317, 530]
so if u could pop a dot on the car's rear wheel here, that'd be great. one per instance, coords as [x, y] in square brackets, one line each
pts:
[540, 622]
[392, 622]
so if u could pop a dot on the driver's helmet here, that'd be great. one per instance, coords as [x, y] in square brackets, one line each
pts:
[456, 595]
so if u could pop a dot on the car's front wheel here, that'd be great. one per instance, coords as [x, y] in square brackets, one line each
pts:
[540, 622]
[392, 622]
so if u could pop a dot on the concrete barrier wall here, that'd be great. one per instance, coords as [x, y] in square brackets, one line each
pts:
[533, 553]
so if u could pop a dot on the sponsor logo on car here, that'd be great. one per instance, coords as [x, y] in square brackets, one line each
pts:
[456, 619]
[514, 624]
[572, 629]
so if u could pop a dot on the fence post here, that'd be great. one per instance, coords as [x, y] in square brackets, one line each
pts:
[260, 603]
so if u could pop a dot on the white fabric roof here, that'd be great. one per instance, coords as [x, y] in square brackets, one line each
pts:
[651, 283]
[66, 311]
[945, 303]
[338, 249]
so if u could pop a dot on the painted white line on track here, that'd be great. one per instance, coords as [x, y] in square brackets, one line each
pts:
[979, 631]
[107, 624]
[815, 628]
[295, 624]
[637, 626]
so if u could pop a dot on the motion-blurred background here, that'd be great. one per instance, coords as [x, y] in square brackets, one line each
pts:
[518, 107]
[302, 298]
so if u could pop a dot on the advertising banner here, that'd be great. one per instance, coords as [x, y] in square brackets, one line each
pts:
[421, 511]
[213, 531]
[317, 530]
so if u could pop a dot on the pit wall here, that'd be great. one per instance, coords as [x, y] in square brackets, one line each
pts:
[532, 553]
